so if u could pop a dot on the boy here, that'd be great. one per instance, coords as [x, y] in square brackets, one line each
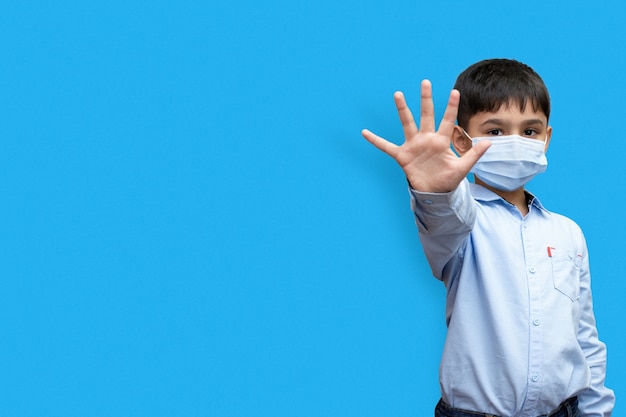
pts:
[522, 339]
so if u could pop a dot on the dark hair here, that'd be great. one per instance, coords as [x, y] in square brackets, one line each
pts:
[488, 84]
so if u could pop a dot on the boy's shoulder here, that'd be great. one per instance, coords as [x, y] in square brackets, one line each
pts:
[563, 221]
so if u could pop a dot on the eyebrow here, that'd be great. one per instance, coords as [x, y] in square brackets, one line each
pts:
[500, 122]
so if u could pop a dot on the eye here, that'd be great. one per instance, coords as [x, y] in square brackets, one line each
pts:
[495, 132]
[530, 132]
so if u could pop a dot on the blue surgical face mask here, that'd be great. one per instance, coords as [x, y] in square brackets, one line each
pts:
[511, 161]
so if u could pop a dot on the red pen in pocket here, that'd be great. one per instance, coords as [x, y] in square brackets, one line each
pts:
[550, 251]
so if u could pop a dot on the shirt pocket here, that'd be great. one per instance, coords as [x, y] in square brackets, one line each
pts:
[566, 274]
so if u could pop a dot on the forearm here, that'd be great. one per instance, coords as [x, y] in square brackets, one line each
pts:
[597, 400]
[444, 220]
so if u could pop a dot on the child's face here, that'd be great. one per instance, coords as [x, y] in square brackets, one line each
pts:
[510, 120]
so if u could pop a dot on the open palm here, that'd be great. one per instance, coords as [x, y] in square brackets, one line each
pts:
[428, 162]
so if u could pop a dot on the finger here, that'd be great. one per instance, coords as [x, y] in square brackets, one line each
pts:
[469, 159]
[427, 115]
[446, 127]
[382, 144]
[406, 117]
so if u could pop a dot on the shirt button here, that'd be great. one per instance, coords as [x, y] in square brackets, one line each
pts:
[428, 202]
[535, 378]
[536, 322]
[532, 270]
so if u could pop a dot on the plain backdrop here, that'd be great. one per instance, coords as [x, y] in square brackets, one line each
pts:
[192, 225]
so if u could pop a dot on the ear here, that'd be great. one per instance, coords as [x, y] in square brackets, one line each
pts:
[548, 137]
[460, 141]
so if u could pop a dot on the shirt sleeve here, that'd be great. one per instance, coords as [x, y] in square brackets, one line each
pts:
[597, 400]
[444, 221]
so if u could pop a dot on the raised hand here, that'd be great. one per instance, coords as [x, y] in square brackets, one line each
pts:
[428, 162]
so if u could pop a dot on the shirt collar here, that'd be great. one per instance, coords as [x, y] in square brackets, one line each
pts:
[481, 193]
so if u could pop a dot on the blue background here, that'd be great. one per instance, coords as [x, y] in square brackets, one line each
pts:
[192, 225]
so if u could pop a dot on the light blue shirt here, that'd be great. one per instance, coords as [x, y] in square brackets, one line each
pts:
[521, 335]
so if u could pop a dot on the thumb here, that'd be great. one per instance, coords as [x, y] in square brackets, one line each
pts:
[469, 159]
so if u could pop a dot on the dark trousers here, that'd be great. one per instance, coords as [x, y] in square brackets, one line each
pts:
[568, 408]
